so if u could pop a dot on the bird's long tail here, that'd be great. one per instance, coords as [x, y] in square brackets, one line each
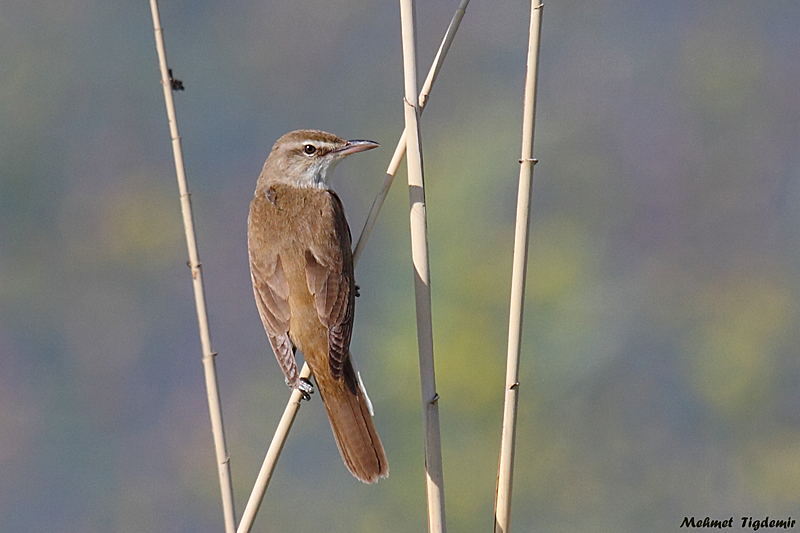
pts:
[349, 415]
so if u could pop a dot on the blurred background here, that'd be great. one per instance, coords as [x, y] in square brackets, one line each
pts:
[660, 372]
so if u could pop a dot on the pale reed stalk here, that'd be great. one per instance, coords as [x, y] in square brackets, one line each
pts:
[214, 407]
[422, 291]
[505, 470]
[274, 452]
[290, 412]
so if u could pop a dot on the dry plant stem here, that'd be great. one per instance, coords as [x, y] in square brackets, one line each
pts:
[289, 414]
[400, 150]
[223, 460]
[422, 292]
[275, 448]
[505, 469]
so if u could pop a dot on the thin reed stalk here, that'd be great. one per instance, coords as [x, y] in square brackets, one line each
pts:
[290, 412]
[422, 292]
[275, 448]
[214, 407]
[505, 470]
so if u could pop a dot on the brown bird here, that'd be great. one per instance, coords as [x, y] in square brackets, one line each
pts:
[301, 265]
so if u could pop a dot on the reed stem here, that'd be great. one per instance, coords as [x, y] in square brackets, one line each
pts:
[422, 292]
[212, 390]
[505, 470]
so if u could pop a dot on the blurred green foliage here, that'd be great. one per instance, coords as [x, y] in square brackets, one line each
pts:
[659, 371]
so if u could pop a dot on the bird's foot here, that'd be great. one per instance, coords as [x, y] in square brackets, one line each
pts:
[303, 385]
[306, 388]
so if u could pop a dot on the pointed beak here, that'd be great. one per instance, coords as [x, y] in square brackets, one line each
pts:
[353, 147]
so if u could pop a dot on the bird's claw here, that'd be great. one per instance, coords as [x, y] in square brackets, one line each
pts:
[306, 388]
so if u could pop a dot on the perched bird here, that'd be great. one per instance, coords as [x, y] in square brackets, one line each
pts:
[301, 265]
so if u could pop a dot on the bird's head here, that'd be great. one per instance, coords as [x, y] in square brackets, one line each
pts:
[306, 158]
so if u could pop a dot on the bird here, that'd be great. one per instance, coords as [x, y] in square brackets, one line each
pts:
[301, 266]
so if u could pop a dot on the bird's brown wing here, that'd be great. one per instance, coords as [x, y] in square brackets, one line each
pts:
[271, 290]
[329, 272]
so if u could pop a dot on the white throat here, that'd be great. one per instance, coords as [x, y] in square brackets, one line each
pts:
[319, 174]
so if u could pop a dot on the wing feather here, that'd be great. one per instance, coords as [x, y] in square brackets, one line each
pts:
[271, 290]
[329, 273]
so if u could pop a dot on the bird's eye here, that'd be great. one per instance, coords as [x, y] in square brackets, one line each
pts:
[309, 149]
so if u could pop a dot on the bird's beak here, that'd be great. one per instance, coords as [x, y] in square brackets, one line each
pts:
[353, 147]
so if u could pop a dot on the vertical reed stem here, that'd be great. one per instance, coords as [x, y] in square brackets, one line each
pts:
[419, 256]
[505, 469]
[215, 410]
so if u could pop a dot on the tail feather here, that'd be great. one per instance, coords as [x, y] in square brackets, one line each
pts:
[353, 430]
